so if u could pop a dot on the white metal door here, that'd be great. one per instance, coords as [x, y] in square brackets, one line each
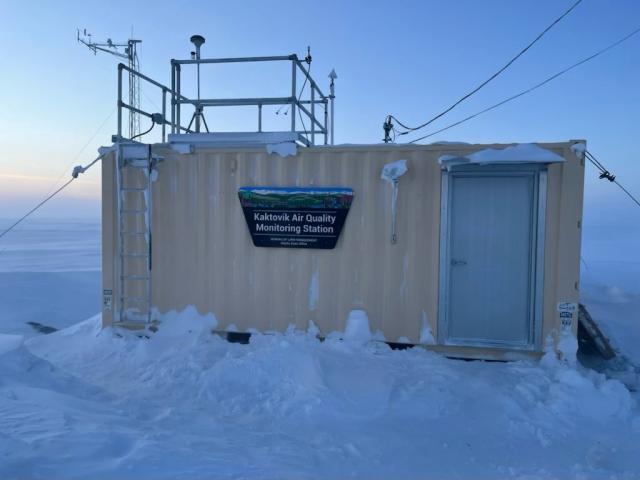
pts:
[490, 258]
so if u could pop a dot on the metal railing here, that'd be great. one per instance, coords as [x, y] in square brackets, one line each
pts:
[304, 108]
[158, 117]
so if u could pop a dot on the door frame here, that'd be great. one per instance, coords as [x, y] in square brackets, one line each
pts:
[536, 266]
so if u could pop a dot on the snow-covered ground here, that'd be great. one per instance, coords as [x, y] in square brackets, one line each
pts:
[82, 402]
[611, 284]
[49, 274]
[185, 403]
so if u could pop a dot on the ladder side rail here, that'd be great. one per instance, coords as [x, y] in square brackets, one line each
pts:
[148, 217]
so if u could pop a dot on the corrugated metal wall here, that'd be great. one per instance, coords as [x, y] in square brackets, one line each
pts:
[203, 254]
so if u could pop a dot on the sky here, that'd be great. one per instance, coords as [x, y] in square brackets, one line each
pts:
[408, 58]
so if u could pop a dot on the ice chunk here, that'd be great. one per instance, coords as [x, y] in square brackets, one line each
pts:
[314, 290]
[357, 328]
[313, 329]
[568, 346]
[187, 322]
[391, 172]
[106, 150]
[426, 336]
[394, 170]
[578, 149]
[284, 149]
[182, 147]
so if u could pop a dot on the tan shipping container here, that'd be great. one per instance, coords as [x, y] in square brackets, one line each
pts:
[203, 254]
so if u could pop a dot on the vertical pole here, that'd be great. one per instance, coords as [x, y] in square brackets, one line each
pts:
[119, 101]
[333, 111]
[132, 102]
[259, 117]
[178, 96]
[197, 112]
[293, 95]
[164, 114]
[173, 98]
[313, 114]
[332, 97]
[326, 126]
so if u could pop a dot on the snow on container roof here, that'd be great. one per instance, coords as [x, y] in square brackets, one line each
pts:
[520, 153]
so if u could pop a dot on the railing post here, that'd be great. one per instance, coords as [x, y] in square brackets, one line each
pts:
[333, 116]
[259, 117]
[332, 98]
[293, 95]
[313, 114]
[120, 100]
[173, 97]
[164, 114]
[178, 96]
[326, 125]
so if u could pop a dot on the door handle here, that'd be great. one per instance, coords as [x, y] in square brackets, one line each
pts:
[455, 262]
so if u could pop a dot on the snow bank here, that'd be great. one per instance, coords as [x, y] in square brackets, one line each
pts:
[188, 322]
[520, 153]
[182, 402]
[10, 342]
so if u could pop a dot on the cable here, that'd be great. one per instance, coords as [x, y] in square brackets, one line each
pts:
[35, 208]
[531, 89]
[99, 129]
[300, 95]
[75, 173]
[507, 65]
[307, 59]
[605, 174]
[72, 161]
[627, 192]
[153, 124]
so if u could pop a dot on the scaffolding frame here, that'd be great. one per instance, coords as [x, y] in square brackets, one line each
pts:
[314, 100]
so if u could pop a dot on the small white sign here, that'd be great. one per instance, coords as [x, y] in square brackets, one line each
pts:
[107, 299]
[567, 307]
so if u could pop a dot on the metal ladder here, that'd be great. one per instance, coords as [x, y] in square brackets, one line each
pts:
[135, 169]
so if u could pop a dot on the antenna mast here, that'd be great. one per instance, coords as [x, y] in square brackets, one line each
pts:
[128, 51]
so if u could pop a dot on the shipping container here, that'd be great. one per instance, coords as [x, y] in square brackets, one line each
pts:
[473, 251]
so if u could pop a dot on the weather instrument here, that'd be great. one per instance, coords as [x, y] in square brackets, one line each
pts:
[198, 114]
[128, 51]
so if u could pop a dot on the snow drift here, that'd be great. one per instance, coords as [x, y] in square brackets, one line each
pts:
[182, 402]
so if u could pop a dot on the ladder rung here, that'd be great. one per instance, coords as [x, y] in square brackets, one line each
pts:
[134, 211]
[135, 277]
[135, 299]
[136, 255]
